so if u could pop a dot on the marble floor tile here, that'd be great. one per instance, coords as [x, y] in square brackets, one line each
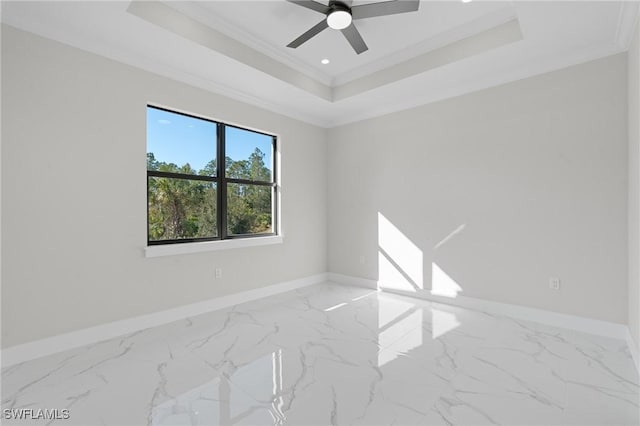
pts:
[330, 354]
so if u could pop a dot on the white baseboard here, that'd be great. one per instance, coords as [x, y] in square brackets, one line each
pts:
[556, 319]
[62, 342]
[74, 339]
[634, 349]
[354, 281]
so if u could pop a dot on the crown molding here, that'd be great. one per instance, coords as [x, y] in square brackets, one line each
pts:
[197, 31]
[485, 41]
[138, 60]
[627, 23]
[178, 23]
[371, 104]
[543, 65]
[205, 16]
[441, 40]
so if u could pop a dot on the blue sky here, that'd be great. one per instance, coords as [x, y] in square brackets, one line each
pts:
[176, 138]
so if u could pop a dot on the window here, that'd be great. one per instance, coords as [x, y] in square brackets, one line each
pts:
[207, 180]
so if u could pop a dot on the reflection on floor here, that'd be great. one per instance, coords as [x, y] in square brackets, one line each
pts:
[332, 354]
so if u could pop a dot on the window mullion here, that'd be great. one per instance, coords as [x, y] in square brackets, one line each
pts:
[222, 183]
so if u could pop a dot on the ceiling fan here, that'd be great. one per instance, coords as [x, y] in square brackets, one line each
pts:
[339, 15]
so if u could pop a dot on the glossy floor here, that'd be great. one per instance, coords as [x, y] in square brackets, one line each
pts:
[331, 354]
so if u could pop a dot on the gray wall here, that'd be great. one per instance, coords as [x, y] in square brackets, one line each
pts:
[500, 189]
[74, 194]
[522, 182]
[634, 186]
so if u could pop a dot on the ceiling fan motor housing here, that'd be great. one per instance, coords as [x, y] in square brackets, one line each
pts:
[338, 5]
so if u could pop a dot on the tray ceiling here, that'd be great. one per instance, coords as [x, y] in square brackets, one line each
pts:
[238, 48]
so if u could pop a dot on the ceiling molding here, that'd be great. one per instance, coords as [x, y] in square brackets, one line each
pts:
[481, 82]
[234, 94]
[139, 60]
[487, 40]
[210, 19]
[453, 35]
[205, 16]
[543, 49]
[178, 23]
[627, 23]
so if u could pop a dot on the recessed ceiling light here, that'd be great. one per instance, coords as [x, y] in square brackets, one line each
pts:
[466, 1]
[325, 61]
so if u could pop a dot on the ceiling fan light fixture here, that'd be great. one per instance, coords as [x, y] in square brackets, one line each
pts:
[339, 19]
[339, 14]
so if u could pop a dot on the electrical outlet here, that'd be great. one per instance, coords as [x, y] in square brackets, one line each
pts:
[218, 273]
[362, 260]
[554, 283]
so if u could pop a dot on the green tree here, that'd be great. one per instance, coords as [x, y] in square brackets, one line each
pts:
[179, 208]
[186, 208]
[210, 169]
[249, 206]
[152, 163]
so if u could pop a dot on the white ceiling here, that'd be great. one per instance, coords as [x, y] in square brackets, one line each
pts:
[277, 23]
[238, 48]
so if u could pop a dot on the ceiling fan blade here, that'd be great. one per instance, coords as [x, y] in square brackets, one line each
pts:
[315, 30]
[385, 8]
[354, 38]
[313, 5]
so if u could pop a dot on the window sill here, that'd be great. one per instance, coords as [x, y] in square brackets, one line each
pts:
[186, 248]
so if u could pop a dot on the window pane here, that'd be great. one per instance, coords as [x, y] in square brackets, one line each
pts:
[180, 144]
[249, 154]
[249, 209]
[181, 208]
